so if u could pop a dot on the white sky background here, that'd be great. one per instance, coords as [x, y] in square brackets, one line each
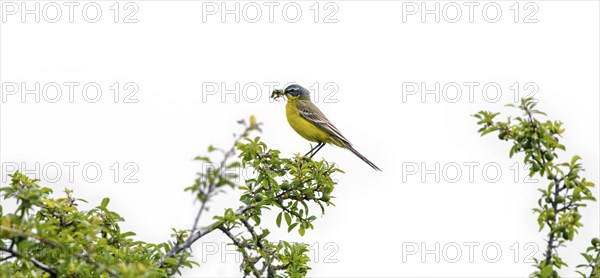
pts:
[369, 57]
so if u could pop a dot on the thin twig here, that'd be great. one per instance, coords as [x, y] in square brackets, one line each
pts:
[280, 203]
[7, 258]
[37, 263]
[242, 249]
[268, 260]
[594, 266]
[254, 234]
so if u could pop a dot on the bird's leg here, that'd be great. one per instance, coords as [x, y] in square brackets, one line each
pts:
[318, 149]
[311, 150]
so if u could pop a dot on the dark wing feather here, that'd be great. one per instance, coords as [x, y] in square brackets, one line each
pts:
[311, 113]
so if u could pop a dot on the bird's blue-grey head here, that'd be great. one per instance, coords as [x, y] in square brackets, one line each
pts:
[296, 91]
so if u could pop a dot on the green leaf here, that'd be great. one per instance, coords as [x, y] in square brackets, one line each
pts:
[202, 158]
[288, 218]
[105, 202]
[291, 227]
[587, 257]
[575, 159]
[491, 129]
[513, 150]
[126, 234]
[256, 219]
[278, 220]
[546, 271]
[170, 261]
[235, 164]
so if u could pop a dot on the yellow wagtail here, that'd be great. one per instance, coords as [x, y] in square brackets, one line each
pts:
[308, 121]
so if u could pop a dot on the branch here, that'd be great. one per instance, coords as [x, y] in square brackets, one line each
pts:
[89, 260]
[47, 242]
[242, 249]
[207, 195]
[7, 258]
[278, 196]
[37, 263]
[267, 264]
[280, 203]
[550, 247]
[197, 235]
[253, 233]
[594, 266]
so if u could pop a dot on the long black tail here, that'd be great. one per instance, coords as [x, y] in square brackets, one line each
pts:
[363, 158]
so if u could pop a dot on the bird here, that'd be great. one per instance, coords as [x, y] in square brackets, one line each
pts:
[309, 122]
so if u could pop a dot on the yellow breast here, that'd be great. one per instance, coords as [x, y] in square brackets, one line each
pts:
[303, 127]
